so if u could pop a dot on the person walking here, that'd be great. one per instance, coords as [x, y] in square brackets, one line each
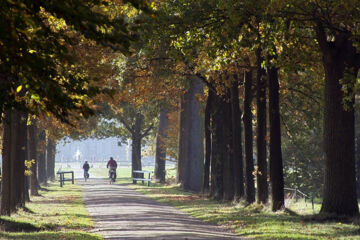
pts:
[86, 168]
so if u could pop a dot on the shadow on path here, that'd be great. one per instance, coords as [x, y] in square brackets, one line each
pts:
[122, 213]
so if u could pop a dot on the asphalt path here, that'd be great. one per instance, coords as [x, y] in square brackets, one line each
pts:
[123, 213]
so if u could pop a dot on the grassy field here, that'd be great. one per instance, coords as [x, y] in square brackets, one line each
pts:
[124, 173]
[254, 221]
[58, 213]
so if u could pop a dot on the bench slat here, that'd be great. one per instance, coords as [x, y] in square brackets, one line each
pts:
[141, 179]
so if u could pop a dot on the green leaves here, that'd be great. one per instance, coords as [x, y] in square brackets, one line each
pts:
[37, 44]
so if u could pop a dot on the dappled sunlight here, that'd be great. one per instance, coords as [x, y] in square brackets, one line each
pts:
[122, 213]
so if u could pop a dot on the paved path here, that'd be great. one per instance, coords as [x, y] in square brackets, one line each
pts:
[122, 213]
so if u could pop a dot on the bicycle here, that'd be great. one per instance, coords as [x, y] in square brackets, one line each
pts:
[112, 175]
[86, 175]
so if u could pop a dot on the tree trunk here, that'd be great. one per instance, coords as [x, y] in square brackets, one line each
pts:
[238, 168]
[262, 185]
[357, 159]
[227, 145]
[136, 156]
[276, 163]
[191, 154]
[32, 139]
[6, 164]
[339, 58]
[217, 148]
[357, 146]
[18, 177]
[50, 159]
[42, 157]
[206, 184]
[14, 155]
[160, 156]
[13, 142]
[248, 133]
[27, 188]
[136, 147]
[183, 136]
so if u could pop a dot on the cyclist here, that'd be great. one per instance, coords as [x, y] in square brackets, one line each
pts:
[86, 168]
[112, 165]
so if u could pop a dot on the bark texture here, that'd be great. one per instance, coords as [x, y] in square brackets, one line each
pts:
[248, 139]
[218, 152]
[50, 159]
[341, 64]
[191, 136]
[6, 164]
[238, 169]
[275, 160]
[206, 181]
[261, 177]
[32, 143]
[228, 148]
[42, 157]
[160, 155]
[13, 163]
[18, 178]
[136, 147]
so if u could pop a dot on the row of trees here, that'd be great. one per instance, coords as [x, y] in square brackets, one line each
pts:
[48, 75]
[262, 47]
[218, 64]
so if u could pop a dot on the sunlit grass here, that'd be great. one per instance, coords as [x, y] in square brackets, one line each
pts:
[254, 221]
[124, 173]
[58, 213]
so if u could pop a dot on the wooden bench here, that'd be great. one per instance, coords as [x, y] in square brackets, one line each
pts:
[62, 179]
[148, 179]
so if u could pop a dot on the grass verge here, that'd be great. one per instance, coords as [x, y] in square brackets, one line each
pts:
[254, 221]
[58, 213]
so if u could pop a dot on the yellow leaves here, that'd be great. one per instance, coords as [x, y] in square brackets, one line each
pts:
[18, 89]
[61, 42]
[153, 5]
[28, 164]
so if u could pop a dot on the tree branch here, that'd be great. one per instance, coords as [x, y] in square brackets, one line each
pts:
[146, 132]
[304, 94]
[210, 86]
[127, 126]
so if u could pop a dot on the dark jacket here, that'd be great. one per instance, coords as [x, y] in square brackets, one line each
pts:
[86, 166]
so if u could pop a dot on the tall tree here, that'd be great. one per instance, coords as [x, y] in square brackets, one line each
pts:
[50, 159]
[275, 159]
[41, 157]
[6, 164]
[207, 128]
[237, 140]
[14, 156]
[229, 172]
[18, 195]
[217, 147]
[32, 143]
[335, 29]
[248, 139]
[191, 151]
[261, 175]
[341, 63]
[160, 156]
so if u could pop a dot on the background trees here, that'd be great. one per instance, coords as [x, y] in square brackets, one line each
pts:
[286, 66]
[38, 74]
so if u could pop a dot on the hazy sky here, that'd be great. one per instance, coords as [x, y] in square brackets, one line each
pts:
[91, 150]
